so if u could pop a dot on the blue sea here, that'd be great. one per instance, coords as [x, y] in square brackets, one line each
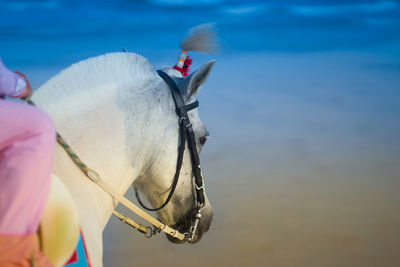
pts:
[303, 162]
[58, 32]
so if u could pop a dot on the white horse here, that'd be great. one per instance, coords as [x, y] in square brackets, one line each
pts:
[118, 115]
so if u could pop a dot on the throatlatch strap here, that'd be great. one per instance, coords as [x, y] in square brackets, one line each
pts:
[179, 161]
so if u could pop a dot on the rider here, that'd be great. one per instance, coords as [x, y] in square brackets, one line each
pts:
[27, 139]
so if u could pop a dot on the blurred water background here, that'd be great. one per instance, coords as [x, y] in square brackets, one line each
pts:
[303, 163]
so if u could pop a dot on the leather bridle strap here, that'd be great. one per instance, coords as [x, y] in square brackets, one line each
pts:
[198, 176]
[179, 161]
[186, 108]
[187, 129]
[184, 123]
[185, 132]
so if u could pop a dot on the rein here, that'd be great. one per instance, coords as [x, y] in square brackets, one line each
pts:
[186, 133]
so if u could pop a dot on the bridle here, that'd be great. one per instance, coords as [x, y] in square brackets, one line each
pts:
[186, 134]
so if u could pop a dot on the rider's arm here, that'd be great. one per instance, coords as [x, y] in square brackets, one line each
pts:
[13, 84]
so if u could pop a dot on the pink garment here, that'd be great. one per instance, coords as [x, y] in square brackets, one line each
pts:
[21, 251]
[27, 138]
[11, 83]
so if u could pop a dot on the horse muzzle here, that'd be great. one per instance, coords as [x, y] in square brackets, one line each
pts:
[186, 224]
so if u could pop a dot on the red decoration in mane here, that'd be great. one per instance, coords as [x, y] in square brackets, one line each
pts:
[185, 70]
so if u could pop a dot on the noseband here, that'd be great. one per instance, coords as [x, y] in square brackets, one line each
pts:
[186, 134]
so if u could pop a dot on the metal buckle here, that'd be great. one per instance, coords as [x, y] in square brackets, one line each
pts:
[199, 188]
[194, 226]
[182, 119]
[186, 239]
[149, 233]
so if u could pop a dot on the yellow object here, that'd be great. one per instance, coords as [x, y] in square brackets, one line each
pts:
[59, 226]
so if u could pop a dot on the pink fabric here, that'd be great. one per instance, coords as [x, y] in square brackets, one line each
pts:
[8, 82]
[27, 138]
[21, 251]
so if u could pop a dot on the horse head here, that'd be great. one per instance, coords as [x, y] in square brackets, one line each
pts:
[174, 183]
[156, 184]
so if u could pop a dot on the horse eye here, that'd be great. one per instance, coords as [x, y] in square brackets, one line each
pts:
[203, 140]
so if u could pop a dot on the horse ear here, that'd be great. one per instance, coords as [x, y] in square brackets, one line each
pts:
[197, 78]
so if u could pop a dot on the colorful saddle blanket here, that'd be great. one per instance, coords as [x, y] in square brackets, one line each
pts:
[80, 256]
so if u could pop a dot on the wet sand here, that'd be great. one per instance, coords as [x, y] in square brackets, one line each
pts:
[269, 223]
